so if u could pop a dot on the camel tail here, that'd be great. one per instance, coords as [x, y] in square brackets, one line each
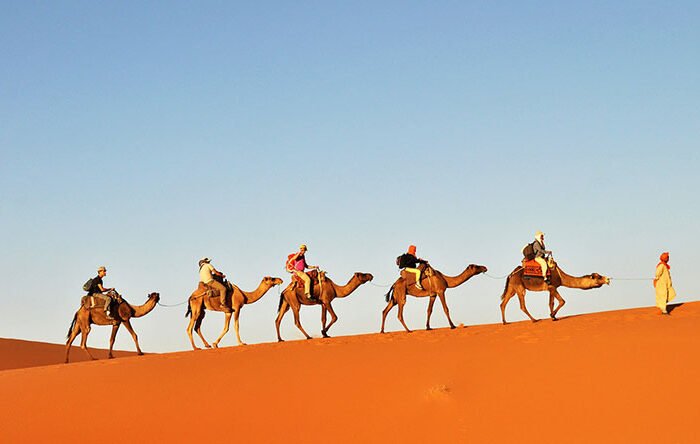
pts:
[503, 296]
[389, 294]
[72, 324]
[189, 311]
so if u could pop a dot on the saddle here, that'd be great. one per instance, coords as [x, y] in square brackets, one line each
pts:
[208, 291]
[315, 276]
[425, 271]
[533, 270]
[95, 303]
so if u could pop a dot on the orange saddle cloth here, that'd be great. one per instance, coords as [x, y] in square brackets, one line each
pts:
[533, 269]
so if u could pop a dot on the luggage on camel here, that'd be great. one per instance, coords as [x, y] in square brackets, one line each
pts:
[290, 263]
[529, 252]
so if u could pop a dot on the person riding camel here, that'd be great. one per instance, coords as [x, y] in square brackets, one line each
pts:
[541, 253]
[206, 276]
[96, 290]
[409, 262]
[299, 266]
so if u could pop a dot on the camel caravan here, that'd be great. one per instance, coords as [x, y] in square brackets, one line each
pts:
[311, 286]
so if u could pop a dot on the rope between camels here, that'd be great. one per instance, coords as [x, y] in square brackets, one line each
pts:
[173, 305]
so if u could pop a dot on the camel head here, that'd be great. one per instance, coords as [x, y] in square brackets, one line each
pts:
[478, 269]
[155, 296]
[364, 277]
[596, 281]
[272, 281]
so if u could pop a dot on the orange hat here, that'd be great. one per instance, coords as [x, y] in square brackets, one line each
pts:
[664, 257]
[411, 249]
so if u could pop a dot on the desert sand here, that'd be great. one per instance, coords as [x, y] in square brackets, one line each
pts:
[620, 376]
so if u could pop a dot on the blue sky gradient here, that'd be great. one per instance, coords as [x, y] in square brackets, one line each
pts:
[142, 136]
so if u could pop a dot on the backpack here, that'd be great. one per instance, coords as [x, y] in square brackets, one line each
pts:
[529, 251]
[88, 284]
[398, 260]
[289, 265]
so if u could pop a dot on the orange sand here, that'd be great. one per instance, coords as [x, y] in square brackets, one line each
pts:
[622, 376]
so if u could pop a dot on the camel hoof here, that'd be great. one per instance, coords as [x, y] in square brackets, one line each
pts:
[207, 346]
[452, 327]
[280, 340]
[196, 348]
[309, 337]
[535, 320]
[140, 353]
[428, 328]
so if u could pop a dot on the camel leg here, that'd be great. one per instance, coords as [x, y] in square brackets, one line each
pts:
[443, 301]
[284, 307]
[111, 339]
[554, 294]
[504, 301]
[236, 314]
[430, 312]
[333, 319]
[71, 338]
[194, 316]
[521, 299]
[323, 319]
[297, 321]
[198, 328]
[134, 336]
[386, 311]
[84, 332]
[227, 323]
[401, 304]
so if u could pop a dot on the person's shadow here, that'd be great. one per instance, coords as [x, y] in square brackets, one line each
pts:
[671, 307]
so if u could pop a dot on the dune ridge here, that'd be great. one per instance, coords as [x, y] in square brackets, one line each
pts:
[619, 376]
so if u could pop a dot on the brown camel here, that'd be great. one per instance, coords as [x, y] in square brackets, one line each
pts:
[85, 316]
[434, 284]
[324, 291]
[236, 298]
[517, 284]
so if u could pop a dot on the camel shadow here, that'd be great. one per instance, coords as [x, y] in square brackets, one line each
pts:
[671, 307]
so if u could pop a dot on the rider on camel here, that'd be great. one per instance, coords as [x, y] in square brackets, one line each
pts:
[409, 262]
[206, 276]
[300, 265]
[541, 253]
[96, 290]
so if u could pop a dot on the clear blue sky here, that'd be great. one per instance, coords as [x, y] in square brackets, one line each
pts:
[144, 135]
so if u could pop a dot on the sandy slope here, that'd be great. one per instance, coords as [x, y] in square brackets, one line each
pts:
[15, 353]
[623, 376]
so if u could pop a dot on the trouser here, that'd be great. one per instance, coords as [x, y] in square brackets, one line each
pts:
[218, 286]
[105, 298]
[307, 281]
[543, 264]
[416, 272]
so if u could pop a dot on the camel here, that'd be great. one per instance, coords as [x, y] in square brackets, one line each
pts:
[236, 298]
[434, 284]
[517, 284]
[324, 291]
[85, 316]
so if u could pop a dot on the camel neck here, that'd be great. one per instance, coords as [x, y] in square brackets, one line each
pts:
[571, 281]
[255, 295]
[344, 290]
[453, 281]
[142, 310]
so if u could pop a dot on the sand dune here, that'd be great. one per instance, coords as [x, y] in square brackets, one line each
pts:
[16, 353]
[621, 376]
